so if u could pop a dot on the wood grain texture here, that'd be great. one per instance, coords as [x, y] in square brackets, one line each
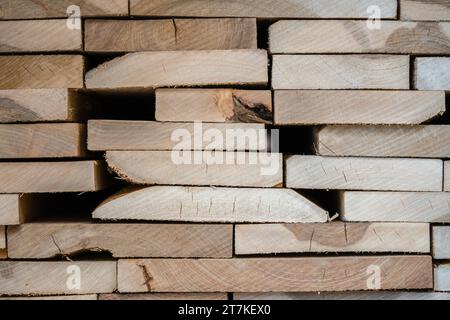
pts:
[164, 296]
[359, 295]
[431, 10]
[317, 36]
[181, 68]
[262, 8]
[266, 275]
[207, 204]
[429, 141]
[48, 240]
[441, 242]
[169, 34]
[41, 72]
[39, 36]
[306, 107]
[214, 105]
[432, 73]
[447, 176]
[162, 167]
[82, 297]
[340, 72]
[395, 206]
[396, 174]
[10, 213]
[32, 278]
[442, 277]
[332, 237]
[149, 135]
[3, 253]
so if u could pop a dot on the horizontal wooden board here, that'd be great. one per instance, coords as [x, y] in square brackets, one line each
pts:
[441, 242]
[181, 68]
[437, 10]
[432, 73]
[82, 297]
[332, 237]
[358, 295]
[447, 176]
[32, 278]
[340, 173]
[48, 240]
[338, 36]
[2, 242]
[207, 204]
[214, 105]
[340, 72]
[395, 206]
[306, 107]
[169, 34]
[266, 275]
[164, 296]
[442, 277]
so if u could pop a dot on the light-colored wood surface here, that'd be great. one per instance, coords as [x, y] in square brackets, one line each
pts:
[52, 278]
[306, 107]
[262, 8]
[332, 237]
[266, 275]
[340, 72]
[48, 240]
[164, 296]
[207, 204]
[181, 68]
[395, 206]
[173, 34]
[214, 105]
[150, 135]
[447, 176]
[442, 278]
[432, 73]
[428, 141]
[358, 295]
[82, 297]
[430, 10]
[318, 36]
[41, 72]
[10, 209]
[161, 167]
[2, 242]
[441, 242]
[39, 36]
[48, 177]
[346, 173]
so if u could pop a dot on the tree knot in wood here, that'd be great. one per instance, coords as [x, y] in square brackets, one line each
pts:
[246, 112]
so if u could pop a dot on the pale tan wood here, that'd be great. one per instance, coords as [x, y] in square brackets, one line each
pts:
[32, 278]
[28, 9]
[262, 8]
[442, 277]
[341, 173]
[164, 296]
[318, 36]
[41, 72]
[358, 295]
[207, 204]
[429, 141]
[149, 135]
[340, 72]
[331, 237]
[48, 240]
[447, 176]
[173, 34]
[432, 73]
[181, 68]
[432, 10]
[159, 167]
[3, 254]
[39, 36]
[9, 209]
[395, 206]
[278, 274]
[441, 242]
[39, 177]
[82, 297]
[305, 107]
[214, 105]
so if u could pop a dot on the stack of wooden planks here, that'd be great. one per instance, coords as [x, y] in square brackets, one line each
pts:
[209, 194]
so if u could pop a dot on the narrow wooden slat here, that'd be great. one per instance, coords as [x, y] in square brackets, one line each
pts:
[82, 297]
[441, 242]
[442, 278]
[10, 209]
[358, 295]
[425, 10]
[2, 242]
[432, 73]
[447, 176]
[164, 296]
[340, 72]
[399, 174]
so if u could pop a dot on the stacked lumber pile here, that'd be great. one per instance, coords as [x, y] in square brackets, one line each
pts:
[100, 201]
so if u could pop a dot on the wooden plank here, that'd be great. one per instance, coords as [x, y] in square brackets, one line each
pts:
[164, 296]
[41, 72]
[262, 8]
[48, 240]
[306, 107]
[428, 141]
[10, 209]
[338, 36]
[208, 168]
[207, 204]
[340, 173]
[442, 278]
[395, 206]
[149, 135]
[340, 72]
[3, 253]
[181, 68]
[441, 242]
[437, 10]
[447, 176]
[169, 34]
[332, 237]
[266, 275]
[39, 36]
[67, 176]
[82, 297]
[214, 105]
[432, 74]
[358, 295]
[26, 9]
[32, 278]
